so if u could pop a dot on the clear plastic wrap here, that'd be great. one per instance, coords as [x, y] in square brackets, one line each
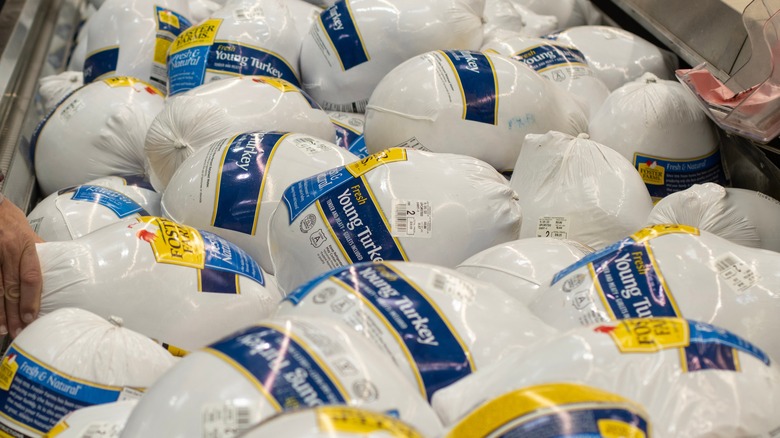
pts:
[470, 103]
[232, 187]
[400, 204]
[72, 359]
[437, 325]
[168, 281]
[357, 42]
[693, 379]
[278, 364]
[105, 420]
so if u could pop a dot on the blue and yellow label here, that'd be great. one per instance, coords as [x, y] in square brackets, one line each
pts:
[241, 180]
[350, 420]
[33, 397]
[545, 57]
[664, 176]
[341, 30]
[188, 54]
[359, 148]
[478, 84]
[121, 205]
[281, 367]
[555, 410]
[100, 64]
[170, 24]
[433, 348]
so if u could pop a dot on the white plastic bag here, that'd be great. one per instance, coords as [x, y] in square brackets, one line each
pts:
[232, 187]
[168, 281]
[54, 88]
[203, 115]
[437, 325]
[471, 103]
[525, 267]
[97, 131]
[132, 37]
[742, 216]
[356, 42]
[659, 127]
[275, 365]
[105, 420]
[400, 204]
[616, 55]
[71, 213]
[72, 359]
[243, 38]
[680, 371]
[671, 270]
[566, 67]
[574, 188]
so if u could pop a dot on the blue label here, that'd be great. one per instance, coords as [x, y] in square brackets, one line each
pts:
[341, 30]
[345, 134]
[302, 194]
[186, 69]
[714, 348]
[244, 60]
[590, 258]
[137, 181]
[358, 147]
[100, 63]
[545, 57]
[289, 374]
[574, 423]
[224, 256]
[478, 85]
[37, 397]
[428, 339]
[664, 177]
[120, 204]
[241, 180]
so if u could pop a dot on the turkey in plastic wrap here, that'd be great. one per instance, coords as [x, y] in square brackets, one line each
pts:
[275, 365]
[332, 422]
[569, 13]
[566, 67]
[616, 55]
[400, 204]
[232, 187]
[243, 38]
[132, 37]
[171, 282]
[202, 9]
[97, 131]
[671, 270]
[742, 216]
[349, 127]
[525, 267]
[357, 42]
[72, 213]
[195, 119]
[55, 88]
[471, 103]
[506, 17]
[659, 126]
[437, 325]
[574, 188]
[693, 379]
[72, 359]
[99, 421]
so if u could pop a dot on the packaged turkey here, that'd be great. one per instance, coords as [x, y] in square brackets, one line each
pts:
[565, 66]
[437, 325]
[53, 89]
[171, 282]
[506, 17]
[272, 366]
[671, 270]
[569, 13]
[400, 204]
[574, 188]
[243, 38]
[659, 127]
[195, 119]
[305, 15]
[71, 359]
[742, 216]
[357, 42]
[680, 371]
[105, 420]
[97, 131]
[616, 55]
[132, 38]
[72, 213]
[523, 268]
[232, 187]
[471, 103]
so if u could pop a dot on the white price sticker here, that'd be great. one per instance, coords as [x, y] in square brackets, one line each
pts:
[129, 394]
[224, 420]
[412, 143]
[411, 218]
[453, 286]
[556, 227]
[102, 430]
[736, 273]
[252, 13]
[310, 146]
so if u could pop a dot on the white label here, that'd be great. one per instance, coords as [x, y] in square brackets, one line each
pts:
[310, 146]
[453, 286]
[71, 109]
[412, 143]
[129, 394]
[556, 227]
[224, 420]
[252, 13]
[411, 218]
[102, 430]
[736, 273]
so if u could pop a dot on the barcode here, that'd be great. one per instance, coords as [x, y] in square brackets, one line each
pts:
[243, 417]
[400, 217]
[726, 262]
[248, 14]
[354, 107]
[439, 282]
